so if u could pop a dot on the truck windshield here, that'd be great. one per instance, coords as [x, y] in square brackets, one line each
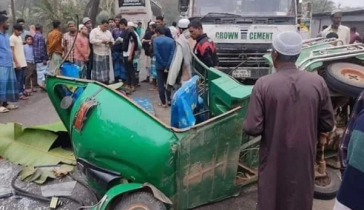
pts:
[244, 7]
[131, 3]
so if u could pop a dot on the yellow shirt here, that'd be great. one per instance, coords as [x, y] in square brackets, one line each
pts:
[343, 32]
[17, 43]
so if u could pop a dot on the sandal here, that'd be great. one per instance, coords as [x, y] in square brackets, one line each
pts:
[34, 90]
[23, 97]
[162, 105]
[43, 88]
[11, 106]
[27, 93]
[4, 110]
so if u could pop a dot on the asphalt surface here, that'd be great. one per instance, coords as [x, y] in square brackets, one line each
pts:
[39, 110]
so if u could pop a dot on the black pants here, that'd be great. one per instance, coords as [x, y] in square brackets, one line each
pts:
[130, 72]
[162, 81]
[89, 65]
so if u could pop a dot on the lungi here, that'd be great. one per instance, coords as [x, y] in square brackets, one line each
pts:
[55, 64]
[9, 90]
[101, 68]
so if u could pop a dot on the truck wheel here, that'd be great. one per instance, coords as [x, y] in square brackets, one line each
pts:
[140, 201]
[326, 188]
[345, 78]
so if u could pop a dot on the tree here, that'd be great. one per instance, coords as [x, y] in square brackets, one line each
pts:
[13, 11]
[322, 6]
[170, 10]
[92, 10]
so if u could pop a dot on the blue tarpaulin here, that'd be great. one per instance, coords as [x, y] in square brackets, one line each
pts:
[184, 104]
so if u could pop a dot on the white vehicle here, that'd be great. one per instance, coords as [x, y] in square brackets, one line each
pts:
[243, 30]
[138, 10]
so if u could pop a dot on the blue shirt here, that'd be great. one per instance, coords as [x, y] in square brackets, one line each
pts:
[6, 57]
[39, 48]
[29, 54]
[163, 48]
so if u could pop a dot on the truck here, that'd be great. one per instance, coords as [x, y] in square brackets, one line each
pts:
[136, 11]
[243, 31]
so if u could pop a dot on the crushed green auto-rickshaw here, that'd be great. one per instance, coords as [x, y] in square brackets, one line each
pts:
[136, 161]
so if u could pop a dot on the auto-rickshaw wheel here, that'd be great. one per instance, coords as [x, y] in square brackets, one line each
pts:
[345, 78]
[326, 187]
[140, 201]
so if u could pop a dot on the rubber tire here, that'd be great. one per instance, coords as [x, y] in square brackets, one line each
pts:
[329, 192]
[142, 198]
[339, 83]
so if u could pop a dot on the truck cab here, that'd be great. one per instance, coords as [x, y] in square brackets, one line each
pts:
[243, 31]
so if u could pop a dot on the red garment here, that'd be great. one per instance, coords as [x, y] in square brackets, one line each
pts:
[82, 48]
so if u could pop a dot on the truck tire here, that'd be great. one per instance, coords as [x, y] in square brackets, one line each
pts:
[345, 78]
[329, 191]
[140, 201]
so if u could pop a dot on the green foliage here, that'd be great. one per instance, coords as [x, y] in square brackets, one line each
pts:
[170, 10]
[321, 6]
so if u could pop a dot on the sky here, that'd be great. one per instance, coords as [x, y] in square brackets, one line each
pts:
[350, 3]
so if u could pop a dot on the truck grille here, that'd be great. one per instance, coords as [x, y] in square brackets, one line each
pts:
[230, 56]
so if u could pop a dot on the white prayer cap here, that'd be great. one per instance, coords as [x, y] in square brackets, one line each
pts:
[131, 24]
[151, 23]
[335, 11]
[80, 27]
[183, 23]
[288, 43]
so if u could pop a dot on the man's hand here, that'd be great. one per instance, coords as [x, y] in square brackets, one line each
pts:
[105, 42]
[17, 65]
[129, 58]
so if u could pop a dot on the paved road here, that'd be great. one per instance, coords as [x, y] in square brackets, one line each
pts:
[38, 110]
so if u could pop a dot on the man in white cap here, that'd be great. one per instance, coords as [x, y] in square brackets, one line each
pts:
[182, 60]
[82, 50]
[342, 31]
[288, 109]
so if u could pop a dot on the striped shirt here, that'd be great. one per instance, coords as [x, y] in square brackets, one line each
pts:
[67, 44]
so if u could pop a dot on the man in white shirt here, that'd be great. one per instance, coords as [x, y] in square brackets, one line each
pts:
[342, 31]
[174, 30]
[101, 40]
[182, 60]
[19, 60]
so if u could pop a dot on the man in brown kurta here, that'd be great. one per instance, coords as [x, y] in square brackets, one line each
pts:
[289, 109]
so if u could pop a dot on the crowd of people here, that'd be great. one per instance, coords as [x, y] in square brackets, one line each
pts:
[337, 30]
[111, 52]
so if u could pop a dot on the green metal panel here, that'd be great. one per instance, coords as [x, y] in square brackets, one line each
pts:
[225, 92]
[208, 160]
[116, 191]
[120, 136]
